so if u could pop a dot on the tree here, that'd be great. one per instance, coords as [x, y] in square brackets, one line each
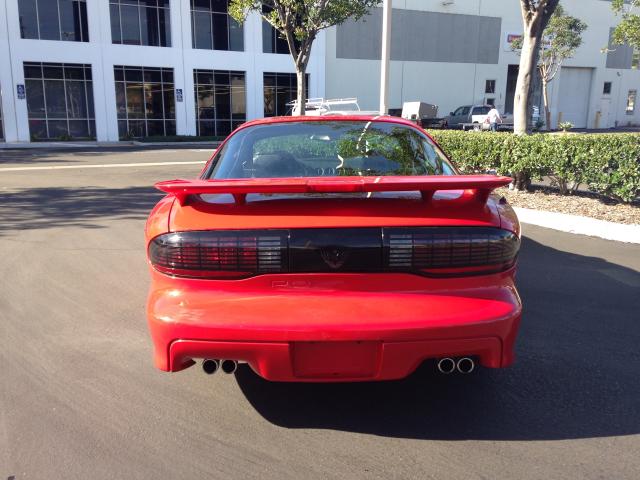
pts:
[561, 39]
[535, 17]
[299, 22]
[628, 30]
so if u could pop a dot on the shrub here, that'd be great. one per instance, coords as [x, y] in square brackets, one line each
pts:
[617, 173]
[608, 163]
[473, 152]
[538, 125]
[565, 126]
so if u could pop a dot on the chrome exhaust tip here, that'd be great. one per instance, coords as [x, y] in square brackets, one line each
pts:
[210, 366]
[229, 366]
[446, 365]
[466, 365]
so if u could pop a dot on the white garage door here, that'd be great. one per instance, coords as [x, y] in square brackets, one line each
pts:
[575, 91]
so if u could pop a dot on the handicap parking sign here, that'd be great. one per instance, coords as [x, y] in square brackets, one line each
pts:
[21, 92]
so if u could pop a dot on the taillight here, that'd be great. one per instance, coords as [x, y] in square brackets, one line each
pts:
[220, 254]
[450, 251]
[431, 251]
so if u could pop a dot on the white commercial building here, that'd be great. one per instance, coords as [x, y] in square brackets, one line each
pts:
[114, 69]
[110, 69]
[457, 52]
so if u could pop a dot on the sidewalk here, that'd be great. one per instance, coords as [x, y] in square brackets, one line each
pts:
[580, 225]
[47, 145]
[89, 145]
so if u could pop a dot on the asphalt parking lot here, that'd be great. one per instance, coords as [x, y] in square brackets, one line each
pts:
[80, 397]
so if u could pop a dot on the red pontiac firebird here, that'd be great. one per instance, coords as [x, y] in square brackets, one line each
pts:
[322, 249]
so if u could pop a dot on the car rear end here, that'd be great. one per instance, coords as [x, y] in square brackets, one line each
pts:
[332, 277]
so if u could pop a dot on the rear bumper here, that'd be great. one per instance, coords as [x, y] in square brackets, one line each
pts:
[393, 360]
[333, 328]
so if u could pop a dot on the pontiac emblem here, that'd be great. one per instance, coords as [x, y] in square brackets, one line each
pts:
[334, 257]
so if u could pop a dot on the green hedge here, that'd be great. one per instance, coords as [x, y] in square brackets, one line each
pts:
[608, 163]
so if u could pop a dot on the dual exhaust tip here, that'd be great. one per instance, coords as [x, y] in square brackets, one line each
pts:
[212, 365]
[446, 365]
[449, 365]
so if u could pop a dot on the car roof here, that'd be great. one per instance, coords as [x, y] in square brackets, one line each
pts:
[329, 118]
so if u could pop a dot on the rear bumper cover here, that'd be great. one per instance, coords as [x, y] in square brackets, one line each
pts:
[318, 328]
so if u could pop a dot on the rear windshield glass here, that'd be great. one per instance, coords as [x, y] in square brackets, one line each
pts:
[328, 149]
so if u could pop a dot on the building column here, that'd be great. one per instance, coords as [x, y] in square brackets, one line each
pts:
[254, 82]
[181, 41]
[7, 84]
[13, 75]
[102, 72]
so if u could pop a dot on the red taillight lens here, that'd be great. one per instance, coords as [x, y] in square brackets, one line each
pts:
[450, 251]
[219, 254]
[432, 251]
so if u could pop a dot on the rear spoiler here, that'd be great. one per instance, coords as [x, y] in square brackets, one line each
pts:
[479, 186]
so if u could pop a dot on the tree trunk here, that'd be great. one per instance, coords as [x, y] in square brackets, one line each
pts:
[528, 66]
[302, 90]
[521, 181]
[547, 111]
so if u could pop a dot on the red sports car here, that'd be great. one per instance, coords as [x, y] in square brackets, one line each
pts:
[322, 249]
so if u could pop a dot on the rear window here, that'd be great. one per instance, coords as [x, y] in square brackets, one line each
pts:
[328, 149]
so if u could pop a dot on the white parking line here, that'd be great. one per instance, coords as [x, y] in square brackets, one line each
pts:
[106, 165]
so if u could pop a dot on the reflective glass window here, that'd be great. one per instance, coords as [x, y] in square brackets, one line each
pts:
[145, 101]
[54, 20]
[59, 100]
[220, 97]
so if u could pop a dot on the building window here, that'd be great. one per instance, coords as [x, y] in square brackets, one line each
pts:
[606, 90]
[490, 86]
[59, 100]
[140, 22]
[631, 102]
[221, 104]
[280, 89]
[54, 20]
[212, 28]
[635, 59]
[272, 40]
[490, 101]
[145, 101]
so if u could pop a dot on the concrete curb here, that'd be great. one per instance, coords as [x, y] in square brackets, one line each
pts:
[580, 225]
[47, 145]
[212, 143]
[85, 145]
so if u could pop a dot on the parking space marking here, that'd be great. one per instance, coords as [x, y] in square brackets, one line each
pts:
[105, 165]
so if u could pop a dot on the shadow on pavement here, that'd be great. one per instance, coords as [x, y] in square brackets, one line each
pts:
[34, 208]
[576, 375]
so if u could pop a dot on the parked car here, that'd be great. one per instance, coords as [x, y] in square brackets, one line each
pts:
[332, 249]
[471, 115]
[467, 114]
